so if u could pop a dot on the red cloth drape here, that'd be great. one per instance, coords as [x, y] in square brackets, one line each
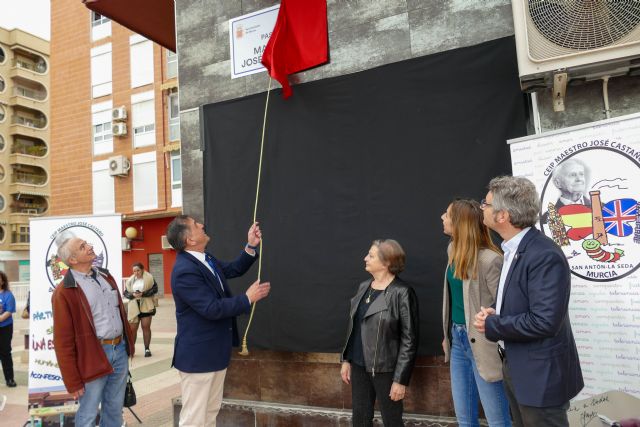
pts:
[299, 40]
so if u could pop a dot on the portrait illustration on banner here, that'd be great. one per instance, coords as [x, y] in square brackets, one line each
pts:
[56, 268]
[589, 207]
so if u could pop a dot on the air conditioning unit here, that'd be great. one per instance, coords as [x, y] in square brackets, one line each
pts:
[165, 243]
[119, 113]
[119, 129]
[119, 166]
[563, 40]
[126, 244]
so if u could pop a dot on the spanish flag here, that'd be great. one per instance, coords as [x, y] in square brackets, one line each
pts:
[579, 218]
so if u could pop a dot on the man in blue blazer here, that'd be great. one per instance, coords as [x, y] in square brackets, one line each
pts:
[530, 319]
[206, 316]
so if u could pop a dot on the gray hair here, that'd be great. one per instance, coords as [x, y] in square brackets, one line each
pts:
[178, 231]
[62, 241]
[517, 196]
[560, 170]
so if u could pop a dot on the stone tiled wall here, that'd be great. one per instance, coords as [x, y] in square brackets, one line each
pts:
[585, 103]
[313, 379]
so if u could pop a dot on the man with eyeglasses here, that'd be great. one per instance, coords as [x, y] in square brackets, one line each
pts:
[90, 335]
[530, 320]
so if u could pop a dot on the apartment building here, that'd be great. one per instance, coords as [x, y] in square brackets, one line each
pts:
[115, 132]
[24, 145]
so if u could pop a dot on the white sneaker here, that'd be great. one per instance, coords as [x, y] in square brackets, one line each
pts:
[3, 400]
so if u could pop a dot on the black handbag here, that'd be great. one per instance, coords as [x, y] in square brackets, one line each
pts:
[129, 394]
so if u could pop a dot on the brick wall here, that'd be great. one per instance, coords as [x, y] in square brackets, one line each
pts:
[71, 102]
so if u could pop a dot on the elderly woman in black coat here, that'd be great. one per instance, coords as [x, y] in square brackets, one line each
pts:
[382, 337]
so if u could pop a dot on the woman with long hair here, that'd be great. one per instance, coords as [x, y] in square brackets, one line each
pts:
[471, 281]
[7, 308]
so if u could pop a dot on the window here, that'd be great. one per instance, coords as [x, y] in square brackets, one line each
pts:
[2, 146]
[2, 84]
[97, 19]
[103, 188]
[19, 233]
[2, 113]
[2, 173]
[2, 233]
[176, 179]
[2, 55]
[101, 128]
[102, 138]
[101, 70]
[2, 204]
[141, 61]
[100, 26]
[174, 117]
[143, 119]
[172, 64]
[145, 181]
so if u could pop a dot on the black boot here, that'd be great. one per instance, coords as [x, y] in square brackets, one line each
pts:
[11, 383]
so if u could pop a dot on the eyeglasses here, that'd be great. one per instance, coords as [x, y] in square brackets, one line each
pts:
[484, 204]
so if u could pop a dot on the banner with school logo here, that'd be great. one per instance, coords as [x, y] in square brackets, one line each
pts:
[588, 178]
[47, 271]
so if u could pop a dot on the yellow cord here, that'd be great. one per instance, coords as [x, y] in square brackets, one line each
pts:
[245, 350]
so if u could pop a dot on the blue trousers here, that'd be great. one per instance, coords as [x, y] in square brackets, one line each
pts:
[107, 392]
[467, 385]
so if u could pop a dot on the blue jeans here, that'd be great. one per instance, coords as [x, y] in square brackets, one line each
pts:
[107, 391]
[467, 384]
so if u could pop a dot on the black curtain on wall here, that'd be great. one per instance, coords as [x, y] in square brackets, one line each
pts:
[375, 154]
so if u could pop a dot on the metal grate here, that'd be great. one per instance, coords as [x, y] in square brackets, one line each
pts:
[584, 24]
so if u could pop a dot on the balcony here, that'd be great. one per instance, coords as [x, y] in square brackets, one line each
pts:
[30, 62]
[28, 176]
[31, 122]
[27, 121]
[27, 204]
[34, 94]
[24, 146]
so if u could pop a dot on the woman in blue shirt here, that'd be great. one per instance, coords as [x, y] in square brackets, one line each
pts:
[7, 308]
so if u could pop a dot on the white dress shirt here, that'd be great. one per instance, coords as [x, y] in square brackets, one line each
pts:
[201, 256]
[510, 248]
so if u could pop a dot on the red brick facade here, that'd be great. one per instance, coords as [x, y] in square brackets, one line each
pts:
[71, 126]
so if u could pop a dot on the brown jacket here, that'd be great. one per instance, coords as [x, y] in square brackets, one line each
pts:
[79, 353]
[476, 293]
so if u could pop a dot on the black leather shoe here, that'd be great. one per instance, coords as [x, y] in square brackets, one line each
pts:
[11, 383]
[147, 353]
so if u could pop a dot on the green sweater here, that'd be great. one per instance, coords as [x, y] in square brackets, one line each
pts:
[457, 302]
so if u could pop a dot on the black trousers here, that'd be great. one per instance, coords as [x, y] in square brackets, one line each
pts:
[6, 333]
[530, 416]
[365, 389]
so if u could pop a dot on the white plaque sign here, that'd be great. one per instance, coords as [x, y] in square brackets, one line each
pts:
[248, 36]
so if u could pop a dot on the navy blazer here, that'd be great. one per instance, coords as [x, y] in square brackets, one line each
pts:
[206, 317]
[534, 323]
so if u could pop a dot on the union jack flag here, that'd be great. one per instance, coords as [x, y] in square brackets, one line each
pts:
[617, 214]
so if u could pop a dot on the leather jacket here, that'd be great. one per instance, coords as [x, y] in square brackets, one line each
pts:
[389, 330]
